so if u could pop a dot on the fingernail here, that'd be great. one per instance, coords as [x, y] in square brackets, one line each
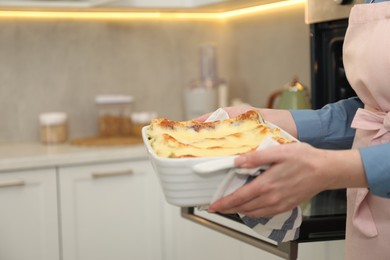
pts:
[211, 210]
[240, 160]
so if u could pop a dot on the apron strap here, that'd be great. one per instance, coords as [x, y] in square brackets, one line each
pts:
[362, 217]
[375, 121]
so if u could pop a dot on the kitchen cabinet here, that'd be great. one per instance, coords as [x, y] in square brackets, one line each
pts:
[110, 211]
[29, 215]
[81, 207]
[111, 3]
[63, 203]
[162, 5]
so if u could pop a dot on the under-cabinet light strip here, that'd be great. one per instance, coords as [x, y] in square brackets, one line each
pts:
[109, 15]
[259, 8]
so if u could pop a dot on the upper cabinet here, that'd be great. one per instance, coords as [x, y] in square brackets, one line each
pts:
[193, 5]
[165, 3]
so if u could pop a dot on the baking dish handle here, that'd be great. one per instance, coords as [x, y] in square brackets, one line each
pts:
[214, 165]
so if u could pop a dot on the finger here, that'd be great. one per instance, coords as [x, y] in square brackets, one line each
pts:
[235, 200]
[269, 210]
[257, 158]
[203, 118]
[266, 212]
[255, 208]
[237, 110]
[250, 206]
[262, 206]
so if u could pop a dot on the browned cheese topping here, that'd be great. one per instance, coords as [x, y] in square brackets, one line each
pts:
[233, 136]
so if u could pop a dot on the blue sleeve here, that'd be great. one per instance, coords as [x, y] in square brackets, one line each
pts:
[376, 162]
[328, 127]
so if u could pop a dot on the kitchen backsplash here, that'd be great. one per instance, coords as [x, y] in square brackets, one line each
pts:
[61, 65]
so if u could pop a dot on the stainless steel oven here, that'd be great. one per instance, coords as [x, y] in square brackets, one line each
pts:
[324, 215]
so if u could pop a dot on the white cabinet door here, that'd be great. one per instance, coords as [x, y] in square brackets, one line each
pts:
[110, 211]
[187, 240]
[28, 215]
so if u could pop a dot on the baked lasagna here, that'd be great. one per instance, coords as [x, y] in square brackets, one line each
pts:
[233, 136]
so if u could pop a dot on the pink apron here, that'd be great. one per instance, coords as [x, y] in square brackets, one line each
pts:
[367, 65]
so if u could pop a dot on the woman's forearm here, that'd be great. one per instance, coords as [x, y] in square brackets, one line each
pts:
[281, 118]
[344, 168]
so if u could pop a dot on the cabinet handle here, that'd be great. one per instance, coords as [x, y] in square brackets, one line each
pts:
[112, 174]
[12, 183]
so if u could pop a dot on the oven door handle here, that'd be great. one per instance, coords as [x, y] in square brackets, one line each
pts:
[286, 250]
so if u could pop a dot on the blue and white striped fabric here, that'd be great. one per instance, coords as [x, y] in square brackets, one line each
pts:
[280, 228]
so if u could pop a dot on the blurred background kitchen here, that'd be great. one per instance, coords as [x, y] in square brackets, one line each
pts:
[104, 201]
[63, 63]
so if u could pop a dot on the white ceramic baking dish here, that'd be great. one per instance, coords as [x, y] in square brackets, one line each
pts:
[181, 184]
[186, 184]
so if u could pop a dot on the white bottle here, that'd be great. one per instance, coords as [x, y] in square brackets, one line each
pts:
[207, 93]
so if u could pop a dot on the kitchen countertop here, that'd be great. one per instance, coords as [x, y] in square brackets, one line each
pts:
[19, 156]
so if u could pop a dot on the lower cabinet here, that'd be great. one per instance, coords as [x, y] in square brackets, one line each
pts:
[86, 212]
[110, 211]
[29, 215]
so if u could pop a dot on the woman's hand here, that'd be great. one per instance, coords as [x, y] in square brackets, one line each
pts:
[232, 112]
[297, 172]
[281, 118]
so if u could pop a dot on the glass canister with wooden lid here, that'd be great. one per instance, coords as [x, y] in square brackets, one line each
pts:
[114, 115]
[141, 119]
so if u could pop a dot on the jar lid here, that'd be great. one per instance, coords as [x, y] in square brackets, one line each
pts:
[142, 117]
[113, 99]
[53, 118]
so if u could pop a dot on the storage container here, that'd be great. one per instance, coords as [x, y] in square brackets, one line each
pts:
[114, 115]
[141, 119]
[53, 127]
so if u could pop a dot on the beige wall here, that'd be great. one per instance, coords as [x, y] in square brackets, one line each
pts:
[266, 52]
[60, 65]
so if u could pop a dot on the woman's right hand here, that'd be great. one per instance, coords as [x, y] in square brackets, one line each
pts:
[297, 172]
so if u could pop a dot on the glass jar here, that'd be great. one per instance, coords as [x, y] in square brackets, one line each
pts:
[141, 119]
[114, 115]
[53, 127]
